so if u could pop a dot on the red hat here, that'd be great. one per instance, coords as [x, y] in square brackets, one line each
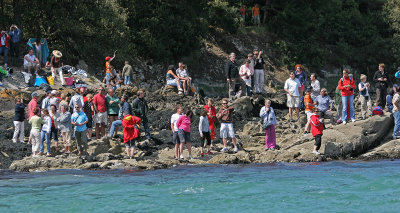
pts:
[108, 58]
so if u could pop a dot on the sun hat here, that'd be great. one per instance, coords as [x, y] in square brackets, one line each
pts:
[57, 53]
[54, 92]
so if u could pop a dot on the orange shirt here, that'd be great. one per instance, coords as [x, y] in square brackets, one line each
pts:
[256, 11]
[108, 67]
[308, 100]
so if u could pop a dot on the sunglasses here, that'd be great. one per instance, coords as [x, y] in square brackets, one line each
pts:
[224, 103]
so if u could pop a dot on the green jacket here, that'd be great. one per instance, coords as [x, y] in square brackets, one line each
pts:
[140, 107]
[338, 96]
[128, 71]
[112, 109]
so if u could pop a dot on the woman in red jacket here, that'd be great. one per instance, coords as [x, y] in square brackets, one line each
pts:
[347, 86]
[316, 129]
[131, 132]
[212, 112]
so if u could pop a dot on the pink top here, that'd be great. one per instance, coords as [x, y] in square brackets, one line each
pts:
[31, 106]
[184, 123]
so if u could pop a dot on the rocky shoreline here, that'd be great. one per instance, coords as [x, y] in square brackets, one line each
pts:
[368, 139]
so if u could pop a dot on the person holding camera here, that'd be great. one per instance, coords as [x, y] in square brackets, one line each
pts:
[245, 72]
[346, 85]
[381, 79]
[5, 46]
[16, 35]
[269, 122]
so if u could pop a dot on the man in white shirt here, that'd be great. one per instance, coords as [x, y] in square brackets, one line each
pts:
[31, 62]
[292, 86]
[315, 85]
[174, 128]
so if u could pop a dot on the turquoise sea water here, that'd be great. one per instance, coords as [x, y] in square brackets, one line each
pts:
[341, 186]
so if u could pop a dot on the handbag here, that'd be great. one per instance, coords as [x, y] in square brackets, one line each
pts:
[266, 124]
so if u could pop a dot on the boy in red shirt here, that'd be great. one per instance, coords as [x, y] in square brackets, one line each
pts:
[131, 132]
[316, 128]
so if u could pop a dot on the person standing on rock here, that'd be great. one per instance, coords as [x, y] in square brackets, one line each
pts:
[100, 116]
[183, 124]
[108, 68]
[76, 99]
[175, 137]
[4, 46]
[232, 76]
[316, 87]
[19, 118]
[338, 105]
[225, 116]
[381, 79]
[79, 120]
[347, 86]
[245, 73]
[32, 105]
[16, 35]
[316, 130]
[56, 66]
[34, 137]
[309, 105]
[301, 76]
[204, 130]
[89, 109]
[131, 133]
[396, 113]
[54, 124]
[211, 113]
[112, 102]
[46, 101]
[268, 115]
[127, 73]
[65, 125]
[259, 70]
[365, 100]
[292, 87]
[140, 108]
[45, 133]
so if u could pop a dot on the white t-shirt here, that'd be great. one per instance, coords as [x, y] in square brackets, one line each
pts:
[293, 86]
[174, 119]
[31, 57]
[182, 73]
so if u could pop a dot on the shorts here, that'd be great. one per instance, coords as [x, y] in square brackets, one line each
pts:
[130, 144]
[175, 138]
[308, 113]
[227, 130]
[293, 101]
[206, 136]
[318, 139]
[184, 136]
[172, 82]
[100, 117]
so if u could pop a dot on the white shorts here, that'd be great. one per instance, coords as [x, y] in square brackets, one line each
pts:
[227, 130]
[100, 117]
[308, 113]
[293, 101]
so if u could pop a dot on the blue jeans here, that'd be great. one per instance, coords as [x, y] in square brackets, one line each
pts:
[396, 116]
[113, 125]
[4, 50]
[108, 76]
[127, 80]
[43, 136]
[349, 99]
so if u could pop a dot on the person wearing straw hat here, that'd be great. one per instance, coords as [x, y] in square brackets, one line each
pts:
[56, 65]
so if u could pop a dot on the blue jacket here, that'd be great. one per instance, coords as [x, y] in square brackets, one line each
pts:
[268, 116]
[302, 77]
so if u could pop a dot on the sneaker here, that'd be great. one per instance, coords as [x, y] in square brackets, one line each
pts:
[181, 157]
[180, 89]
[291, 120]
[266, 149]
[315, 152]
[35, 156]
[180, 93]
[344, 122]
[48, 155]
[272, 149]
[305, 132]
[202, 154]
[353, 120]
[209, 153]
[224, 149]
[235, 149]
[190, 157]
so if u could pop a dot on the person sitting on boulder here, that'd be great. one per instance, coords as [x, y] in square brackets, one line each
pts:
[316, 130]
[124, 107]
[173, 80]
[183, 76]
[324, 104]
[131, 133]
[31, 62]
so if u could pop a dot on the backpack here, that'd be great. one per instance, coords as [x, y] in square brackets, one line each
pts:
[377, 111]
[302, 106]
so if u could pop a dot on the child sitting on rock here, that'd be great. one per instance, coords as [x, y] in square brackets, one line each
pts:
[316, 129]
[131, 132]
